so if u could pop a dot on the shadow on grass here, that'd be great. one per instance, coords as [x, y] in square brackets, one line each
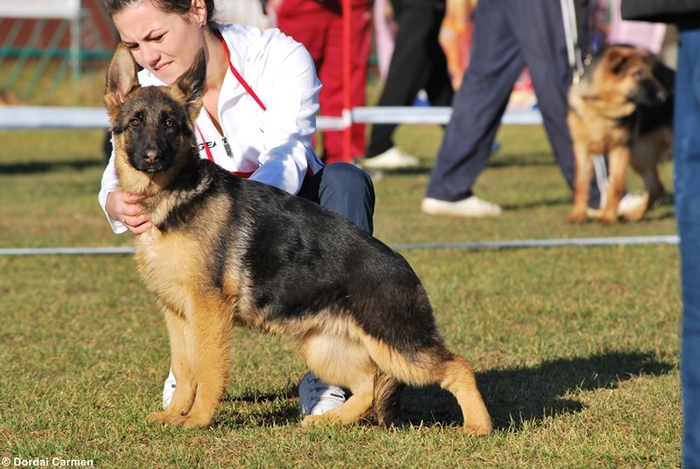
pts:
[554, 202]
[515, 160]
[37, 167]
[513, 396]
[666, 201]
[531, 394]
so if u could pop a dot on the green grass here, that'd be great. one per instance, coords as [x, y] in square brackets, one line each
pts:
[575, 349]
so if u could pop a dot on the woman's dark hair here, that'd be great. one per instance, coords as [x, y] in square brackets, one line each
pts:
[169, 6]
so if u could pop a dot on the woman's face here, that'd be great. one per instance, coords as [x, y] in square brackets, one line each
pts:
[163, 43]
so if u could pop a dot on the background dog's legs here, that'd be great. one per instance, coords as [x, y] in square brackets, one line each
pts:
[387, 405]
[458, 378]
[647, 153]
[582, 183]
[619, 158]
[185, 389]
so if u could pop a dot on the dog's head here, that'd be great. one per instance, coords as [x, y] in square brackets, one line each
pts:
[152, 127]
[636, 74]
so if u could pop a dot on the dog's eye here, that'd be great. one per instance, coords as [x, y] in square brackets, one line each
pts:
[169, 123]
[134, 122]
[641, 73]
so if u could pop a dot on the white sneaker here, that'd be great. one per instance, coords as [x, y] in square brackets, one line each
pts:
[469, 207]
[628, 203]
[393, 158]
[317, 397]
[168, 389]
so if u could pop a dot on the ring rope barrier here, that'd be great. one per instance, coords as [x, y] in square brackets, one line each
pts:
[476, 245]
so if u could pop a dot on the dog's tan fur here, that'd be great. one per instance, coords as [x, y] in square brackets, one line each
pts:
[203, 304]
[604, 115]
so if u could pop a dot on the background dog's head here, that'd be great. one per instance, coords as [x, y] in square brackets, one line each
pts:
[636, 74]
[152, 127]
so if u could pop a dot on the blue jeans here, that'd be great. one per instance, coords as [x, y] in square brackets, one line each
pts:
[687, 201]
[345, 189]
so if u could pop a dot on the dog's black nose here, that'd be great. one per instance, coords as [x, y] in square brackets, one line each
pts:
[151, 156]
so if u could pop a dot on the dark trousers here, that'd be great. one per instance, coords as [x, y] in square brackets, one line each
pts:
[418, 62]
[345, 189]
[508, 35]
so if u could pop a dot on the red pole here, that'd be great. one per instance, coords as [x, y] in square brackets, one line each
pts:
[347, 77]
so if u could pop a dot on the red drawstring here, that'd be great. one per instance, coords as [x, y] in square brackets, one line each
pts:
[241, 80]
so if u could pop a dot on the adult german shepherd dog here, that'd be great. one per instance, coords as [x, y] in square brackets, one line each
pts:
[622, 107]
[225, 251]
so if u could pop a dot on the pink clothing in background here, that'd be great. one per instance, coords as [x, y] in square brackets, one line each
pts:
[636, 33]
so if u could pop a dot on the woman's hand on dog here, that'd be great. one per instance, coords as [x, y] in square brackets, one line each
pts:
[126, 208]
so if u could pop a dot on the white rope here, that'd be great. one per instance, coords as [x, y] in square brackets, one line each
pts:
[477, 245]
[601, 177]
[46, 117]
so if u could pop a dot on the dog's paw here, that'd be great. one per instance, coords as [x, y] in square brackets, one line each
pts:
[476, 430]
[313, 420]
[163, 418]
[191, 422]
[608, 219]
[576, 217]
[634, 216]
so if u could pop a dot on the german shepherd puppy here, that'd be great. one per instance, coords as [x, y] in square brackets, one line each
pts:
[622, 107]
[225, 251]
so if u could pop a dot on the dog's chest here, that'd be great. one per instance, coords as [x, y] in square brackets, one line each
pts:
[599, 134]
[172, 266]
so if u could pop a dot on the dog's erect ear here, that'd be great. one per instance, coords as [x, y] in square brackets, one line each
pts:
[191, 83]
[121, 79]
[616, 59]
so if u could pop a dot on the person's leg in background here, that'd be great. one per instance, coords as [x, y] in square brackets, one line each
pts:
[437, 82]
[687, 201]
[331, 98]
[409, 71]
[496, 62]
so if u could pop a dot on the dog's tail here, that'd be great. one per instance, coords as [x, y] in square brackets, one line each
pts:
[387, 406]
[429, 365]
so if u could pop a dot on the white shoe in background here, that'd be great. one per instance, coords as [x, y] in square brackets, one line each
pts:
[628, 203]
[469, 207]
[393, 158]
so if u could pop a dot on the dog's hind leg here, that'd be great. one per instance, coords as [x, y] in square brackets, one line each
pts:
[387, 405]
[647, 153]
[458, 378]
[344, 362]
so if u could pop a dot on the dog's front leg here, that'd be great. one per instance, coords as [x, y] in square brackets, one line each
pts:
[185, 388]
[208, 338]
[619, 158]
[582, 182]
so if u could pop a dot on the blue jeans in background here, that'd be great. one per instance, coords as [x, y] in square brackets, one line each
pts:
[687, 201]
